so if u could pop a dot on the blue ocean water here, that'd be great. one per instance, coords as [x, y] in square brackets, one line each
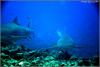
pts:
[77, 19]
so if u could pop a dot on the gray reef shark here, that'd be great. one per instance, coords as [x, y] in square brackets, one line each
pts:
[65, 43]
[11, 32]
[64, 40]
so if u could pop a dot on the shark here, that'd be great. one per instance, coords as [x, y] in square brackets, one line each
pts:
[65, 43]
[12, 32]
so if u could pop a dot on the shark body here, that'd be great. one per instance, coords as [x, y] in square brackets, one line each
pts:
[66, 44]
[11, 32]
[64, 41]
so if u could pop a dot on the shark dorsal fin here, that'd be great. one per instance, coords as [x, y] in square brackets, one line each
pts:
[15, 21]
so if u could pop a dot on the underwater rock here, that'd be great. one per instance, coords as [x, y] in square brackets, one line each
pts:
[73, 57]
[21, 48]
[9, 62]
[6, 43]
[22, 57]
[80, 61]
[50, 61]
[21, 63]
[33, 54]
[63, 63]
[17, 56]
[86, 62]
[13, 53]
[24, 64]
[63, 55]
[44, 52]
[72, 63]
[35, 61]
[60, 55]
[49, 58]
[4, 56]
[95, 61]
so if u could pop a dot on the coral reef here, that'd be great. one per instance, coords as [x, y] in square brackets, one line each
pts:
[23, 57]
